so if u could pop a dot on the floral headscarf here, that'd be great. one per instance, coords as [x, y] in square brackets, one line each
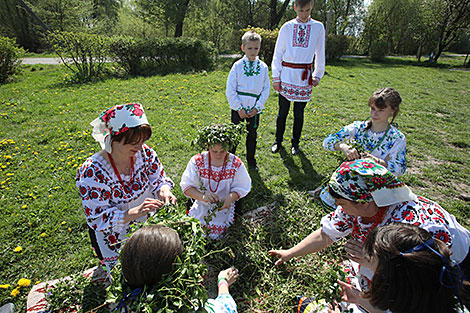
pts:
[115, 121]
[365, 180]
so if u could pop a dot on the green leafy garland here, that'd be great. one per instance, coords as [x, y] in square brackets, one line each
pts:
[182, 289]
[226, 134]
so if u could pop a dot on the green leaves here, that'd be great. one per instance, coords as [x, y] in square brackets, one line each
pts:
[181, 290]
[226, 134]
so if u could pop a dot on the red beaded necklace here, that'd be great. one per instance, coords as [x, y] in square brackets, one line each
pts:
[376, 220]
[117, 172]
[221, 175]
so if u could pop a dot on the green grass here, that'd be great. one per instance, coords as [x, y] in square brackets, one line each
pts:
[45, 135]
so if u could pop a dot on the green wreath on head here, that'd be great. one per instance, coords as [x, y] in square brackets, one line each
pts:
[226, 134]
[181, 290]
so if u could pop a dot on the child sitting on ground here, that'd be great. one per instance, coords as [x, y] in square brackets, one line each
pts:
[413, 272]
[377, 137]
[247, 91]
[151, 251]
[216, 179]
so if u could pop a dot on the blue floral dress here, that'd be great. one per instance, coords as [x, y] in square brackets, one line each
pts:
[224, 303]
[391, 148]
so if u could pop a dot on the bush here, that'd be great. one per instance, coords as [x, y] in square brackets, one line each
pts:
[378, 50]
[144, 56]
[10, 58]
[268, 42]
[84, 54]
[336, 46]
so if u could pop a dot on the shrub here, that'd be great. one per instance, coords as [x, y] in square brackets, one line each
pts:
[10, 58]
[268, 42]
[143, 56]
[378, 50]
[336, 46]
[84, 54]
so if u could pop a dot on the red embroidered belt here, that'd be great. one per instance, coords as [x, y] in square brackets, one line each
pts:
[307, 69]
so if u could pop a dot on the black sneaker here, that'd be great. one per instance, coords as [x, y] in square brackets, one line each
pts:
[295, 150]
[276, 147]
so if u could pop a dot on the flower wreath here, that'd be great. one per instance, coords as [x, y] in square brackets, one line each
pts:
[226, 134]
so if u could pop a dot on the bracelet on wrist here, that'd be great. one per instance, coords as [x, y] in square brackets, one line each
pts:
[221, 279]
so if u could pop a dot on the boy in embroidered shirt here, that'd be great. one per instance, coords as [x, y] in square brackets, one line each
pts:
[247, 91]
[299, 41]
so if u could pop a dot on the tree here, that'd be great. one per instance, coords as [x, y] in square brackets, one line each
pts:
[173, 12]
[275, 15]
[16, 22]
[450, 17]
[393, 21]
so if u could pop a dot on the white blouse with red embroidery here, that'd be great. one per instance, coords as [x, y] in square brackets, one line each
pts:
[105, 199]
[233, 178]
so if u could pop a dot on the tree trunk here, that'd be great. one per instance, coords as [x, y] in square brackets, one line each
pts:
[180, 22]
[275, 16]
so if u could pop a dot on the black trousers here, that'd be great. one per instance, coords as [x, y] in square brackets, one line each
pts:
[252, 127]
[284, 106]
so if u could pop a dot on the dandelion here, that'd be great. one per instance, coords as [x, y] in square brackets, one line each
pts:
[6, 286]
[18, 249]
[24, 206]
[43, 235]
[63, 223]
[23, 282]
[15, 292]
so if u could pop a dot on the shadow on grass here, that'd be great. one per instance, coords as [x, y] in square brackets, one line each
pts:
[304, 177]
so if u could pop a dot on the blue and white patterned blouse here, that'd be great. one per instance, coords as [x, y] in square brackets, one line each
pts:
[391, 149]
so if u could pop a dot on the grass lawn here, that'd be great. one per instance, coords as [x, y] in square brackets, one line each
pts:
[45, 135]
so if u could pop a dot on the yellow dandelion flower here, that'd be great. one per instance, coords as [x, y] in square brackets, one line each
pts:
[6, 286]
[18, 249]
[24, 206]
[15, 292]
[43, 235]
[23, 282]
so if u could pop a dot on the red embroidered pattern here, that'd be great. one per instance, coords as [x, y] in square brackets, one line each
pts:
[301, 36]
[295, 92]
[202, 165]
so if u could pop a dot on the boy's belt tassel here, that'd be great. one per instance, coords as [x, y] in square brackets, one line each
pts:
[305, 74]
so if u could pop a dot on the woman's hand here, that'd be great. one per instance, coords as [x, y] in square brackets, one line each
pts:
[149, 205]
[283, 255]
[210, 197]
[166, 195]
[277, 86]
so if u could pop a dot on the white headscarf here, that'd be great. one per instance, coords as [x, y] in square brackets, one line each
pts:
[115, 121]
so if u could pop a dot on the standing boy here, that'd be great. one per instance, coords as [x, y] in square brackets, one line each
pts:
[298, 42]
[247, 91]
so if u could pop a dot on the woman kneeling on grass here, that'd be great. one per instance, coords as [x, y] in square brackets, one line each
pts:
[413, 272]
[122, 183]
[151, 251]
[369, 196]
[215, 179]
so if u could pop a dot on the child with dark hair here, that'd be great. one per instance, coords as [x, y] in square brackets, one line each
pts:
[376, 137]
[413, 272]
[151, 251]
